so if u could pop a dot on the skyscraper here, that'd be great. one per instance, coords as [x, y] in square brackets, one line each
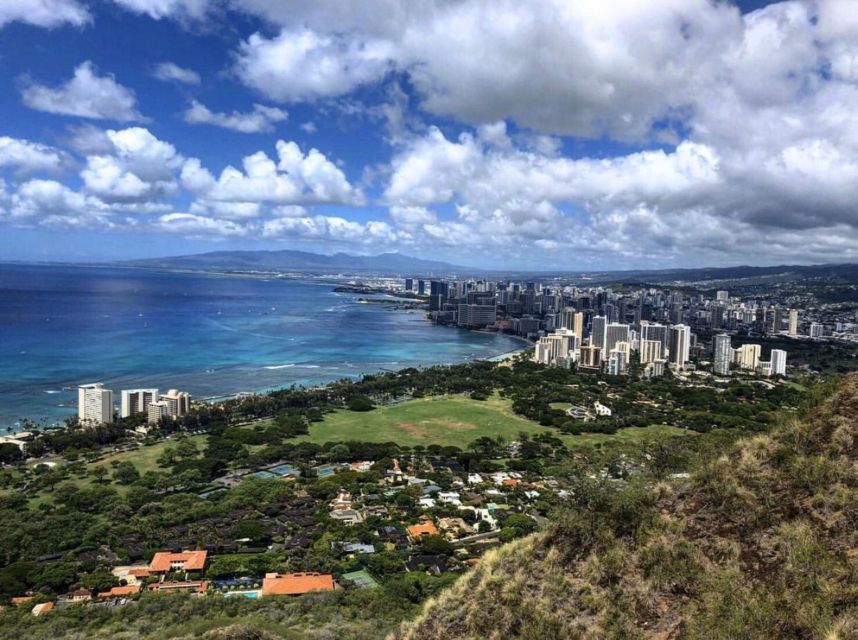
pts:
[722, 296]
[615, 333]
[650, 350]
[680, 345]
[178, 403]
[748, 356]
[134, 401]
[723, 354]
[598, 329]
[816, 330]
[793, 322]
[778, 359]
[94, 404]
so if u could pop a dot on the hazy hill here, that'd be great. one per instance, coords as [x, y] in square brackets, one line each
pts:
[288, 260]
[760, 543]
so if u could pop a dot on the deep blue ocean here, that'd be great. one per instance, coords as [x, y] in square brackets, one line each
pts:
[61, 326]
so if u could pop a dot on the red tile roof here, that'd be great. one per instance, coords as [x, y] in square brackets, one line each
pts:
[425, 528]
[198, 586]
[163, 561]
[120, 592]
[294, 584]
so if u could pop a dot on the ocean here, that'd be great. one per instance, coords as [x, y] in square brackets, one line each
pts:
[211, 335]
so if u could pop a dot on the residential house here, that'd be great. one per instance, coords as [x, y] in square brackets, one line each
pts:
[296, 584]
[166, 562]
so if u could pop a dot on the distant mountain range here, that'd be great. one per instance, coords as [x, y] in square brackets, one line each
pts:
[288, 260]
[398, 264]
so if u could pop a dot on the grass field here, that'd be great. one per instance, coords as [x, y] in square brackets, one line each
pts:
[445, 420]
[146, 458]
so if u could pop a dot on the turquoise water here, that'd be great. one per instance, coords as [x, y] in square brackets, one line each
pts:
[212, 335]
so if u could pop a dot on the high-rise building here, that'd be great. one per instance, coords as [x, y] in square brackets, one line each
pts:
[476, 315]
[94, 404]
[409, 284]
[578, 326]
[598, 329]
[747, 356]
[650, 350]
[615, 333]
[658, 332]
[723, 354]
[590, 357]
[778, 358]
[793, 322]
[134, 401]
[680, 345]
[178, 403]
[816, 330]
[722, 296]
[617, 362]
[421, 288]
[157, 411]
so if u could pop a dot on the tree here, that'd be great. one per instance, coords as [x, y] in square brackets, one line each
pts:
[99, 473]
[10, 453]
[359, 403]
[126, 473]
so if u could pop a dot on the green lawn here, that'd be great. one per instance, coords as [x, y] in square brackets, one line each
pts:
[146, 458]
[629, 435]
[445, 420]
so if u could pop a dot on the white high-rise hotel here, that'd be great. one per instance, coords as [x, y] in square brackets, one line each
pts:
[95, 404]
[136, 401]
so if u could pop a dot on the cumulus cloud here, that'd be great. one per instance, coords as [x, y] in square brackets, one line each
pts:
[140, 166]
[304, 65]
[195, 226]
[171, 72]
[24, 155]
[261, 119]
[48, 202]
[44, 13]
[86, 95]
[296, 178]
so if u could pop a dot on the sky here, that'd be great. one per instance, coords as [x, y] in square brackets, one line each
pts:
[526, 134]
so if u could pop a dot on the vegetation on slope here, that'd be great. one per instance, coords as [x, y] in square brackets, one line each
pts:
[758, 543]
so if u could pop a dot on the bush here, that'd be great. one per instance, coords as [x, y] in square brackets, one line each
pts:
[360, 403]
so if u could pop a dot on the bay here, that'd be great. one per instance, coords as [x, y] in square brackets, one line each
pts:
[212, 335]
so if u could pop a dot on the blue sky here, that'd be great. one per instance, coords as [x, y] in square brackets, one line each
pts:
[488, 133]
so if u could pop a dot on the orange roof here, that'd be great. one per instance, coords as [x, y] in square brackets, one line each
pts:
[39, 609]
[425, 528]
[511, 482]
[118, 592]
[190, 561]
[139, 573]
[21, 599]
[200, 586]
[295, 584]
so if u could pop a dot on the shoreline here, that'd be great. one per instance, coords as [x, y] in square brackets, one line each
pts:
[10, 429]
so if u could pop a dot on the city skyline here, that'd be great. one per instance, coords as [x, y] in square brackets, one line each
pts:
[678, 135]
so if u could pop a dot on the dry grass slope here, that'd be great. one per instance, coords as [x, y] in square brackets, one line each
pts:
[760, 543]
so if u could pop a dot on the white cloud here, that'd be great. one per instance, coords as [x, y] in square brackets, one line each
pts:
[303, 65]
[329, 229]
[295, 179]
[261, 119]
[140, 167]
[24, 155]
[194, 225]
[49, 202]
[158, 9]
[86, 95]
[171, 72]
[44, 13]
